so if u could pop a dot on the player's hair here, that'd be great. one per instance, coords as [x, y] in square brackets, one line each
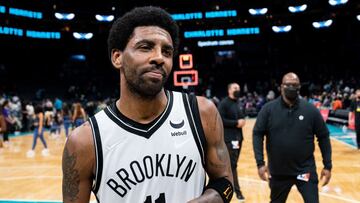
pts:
[123, 28]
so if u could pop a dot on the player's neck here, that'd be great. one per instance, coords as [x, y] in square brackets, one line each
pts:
[141, 110]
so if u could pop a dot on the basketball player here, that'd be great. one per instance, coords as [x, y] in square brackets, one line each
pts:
[151, 145]
[290, 125]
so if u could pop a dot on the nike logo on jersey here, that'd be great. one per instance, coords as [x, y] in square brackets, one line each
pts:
[177, 125]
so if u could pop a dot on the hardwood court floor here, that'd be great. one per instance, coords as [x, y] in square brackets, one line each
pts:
[39, 178]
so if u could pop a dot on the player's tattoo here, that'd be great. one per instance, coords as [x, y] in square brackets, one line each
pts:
[71, 180]
[217, 119]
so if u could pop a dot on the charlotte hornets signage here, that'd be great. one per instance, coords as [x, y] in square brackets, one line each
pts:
[222, 32]
[221, 14]
[25, 13]
[187, 16]
[29, 33]
[42, 34]
[243, 31]
[2, 9]
[203, 33]
[11, 31]
[208, 14]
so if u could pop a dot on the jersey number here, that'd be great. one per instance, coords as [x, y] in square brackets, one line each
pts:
[160, 199]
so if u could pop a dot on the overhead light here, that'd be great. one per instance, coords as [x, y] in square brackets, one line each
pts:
[296, 9]
[260, 11]
[358, 17]
[278, 29]
[64, 16]
[337, 2]
[104, 18]
[322, 24]
[85, 36]
[78, 57]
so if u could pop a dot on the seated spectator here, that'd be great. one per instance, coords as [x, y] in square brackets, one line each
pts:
[337, 104]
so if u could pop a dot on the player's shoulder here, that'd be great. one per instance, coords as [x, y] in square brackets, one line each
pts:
[81, 137]
[205, 104]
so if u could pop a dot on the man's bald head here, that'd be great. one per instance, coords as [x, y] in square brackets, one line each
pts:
[290, 77]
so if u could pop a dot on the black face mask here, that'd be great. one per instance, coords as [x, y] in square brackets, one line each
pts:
[291, 93]
[236, 94]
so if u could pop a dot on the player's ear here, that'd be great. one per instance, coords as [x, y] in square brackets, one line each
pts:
[116, 58]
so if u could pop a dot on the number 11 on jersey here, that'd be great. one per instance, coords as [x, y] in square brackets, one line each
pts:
[160, 199]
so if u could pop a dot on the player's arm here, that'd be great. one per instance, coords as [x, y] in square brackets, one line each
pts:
[220, 186]
[77, 165]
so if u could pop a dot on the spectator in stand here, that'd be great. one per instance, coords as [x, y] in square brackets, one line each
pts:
[79, 115]
[2, 128]
[30, 113]
[9, 120]
[337, 104]
[66, 114]
[58, 104]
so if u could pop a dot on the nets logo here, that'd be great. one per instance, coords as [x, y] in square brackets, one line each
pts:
[177, 125]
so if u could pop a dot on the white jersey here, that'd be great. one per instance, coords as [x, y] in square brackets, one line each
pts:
[158, 162]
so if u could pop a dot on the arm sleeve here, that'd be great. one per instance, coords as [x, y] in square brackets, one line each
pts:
[258, 136]
[226, 121]
[323, 137]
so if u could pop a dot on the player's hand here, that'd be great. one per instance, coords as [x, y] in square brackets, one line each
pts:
[326, 175]
[263, 172]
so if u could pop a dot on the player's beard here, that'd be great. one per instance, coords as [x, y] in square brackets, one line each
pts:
[141, 86]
